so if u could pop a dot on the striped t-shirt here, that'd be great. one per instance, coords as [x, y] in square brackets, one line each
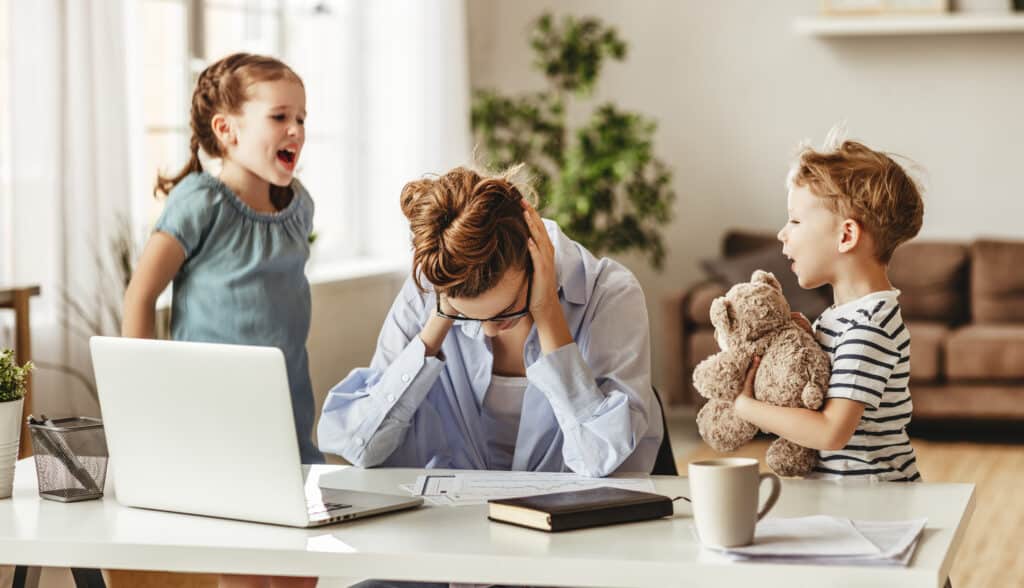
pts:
[869, 347]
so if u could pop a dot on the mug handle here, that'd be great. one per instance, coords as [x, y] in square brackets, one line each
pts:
[776, 490]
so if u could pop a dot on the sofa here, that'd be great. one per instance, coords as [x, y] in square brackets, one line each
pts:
[962, 302]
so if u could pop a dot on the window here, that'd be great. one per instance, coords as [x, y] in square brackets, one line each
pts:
[6, 247]
[318, 39]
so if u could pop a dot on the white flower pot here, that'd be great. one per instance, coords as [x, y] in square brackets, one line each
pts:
[10, 435]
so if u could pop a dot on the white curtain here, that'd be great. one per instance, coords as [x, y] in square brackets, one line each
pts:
[75, 166]
[417, 106]
[73, 153]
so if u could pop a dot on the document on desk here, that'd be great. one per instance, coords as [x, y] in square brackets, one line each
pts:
[467, 488]
[827, 540]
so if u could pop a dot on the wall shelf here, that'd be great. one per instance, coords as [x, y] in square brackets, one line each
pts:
[942, 24]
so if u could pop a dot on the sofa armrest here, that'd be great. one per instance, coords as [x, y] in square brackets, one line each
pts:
[677, 326]
[673, 313]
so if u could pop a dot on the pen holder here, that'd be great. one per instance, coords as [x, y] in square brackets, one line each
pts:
[71, 458]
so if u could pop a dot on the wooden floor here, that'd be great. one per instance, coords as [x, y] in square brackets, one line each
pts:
[991, 552]
[990, 555]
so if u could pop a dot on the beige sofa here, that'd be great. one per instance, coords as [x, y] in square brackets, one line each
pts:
[963, 304]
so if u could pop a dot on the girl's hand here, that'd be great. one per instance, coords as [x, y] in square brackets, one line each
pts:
[802, 322]
[544, 290]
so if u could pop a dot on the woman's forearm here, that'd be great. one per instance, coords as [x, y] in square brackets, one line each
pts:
[552, 330]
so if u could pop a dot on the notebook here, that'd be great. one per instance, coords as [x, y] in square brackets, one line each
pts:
[563, 511]
[207, 429]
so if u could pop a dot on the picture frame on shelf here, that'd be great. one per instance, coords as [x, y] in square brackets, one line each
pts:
[916, 6]
[852, 7]
[882, 7]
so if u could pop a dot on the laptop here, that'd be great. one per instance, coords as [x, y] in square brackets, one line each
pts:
[207, 429]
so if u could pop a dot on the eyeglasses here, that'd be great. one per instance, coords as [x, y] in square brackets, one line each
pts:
[494, 319]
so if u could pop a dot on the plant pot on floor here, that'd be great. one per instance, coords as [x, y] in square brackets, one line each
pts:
[10, 435]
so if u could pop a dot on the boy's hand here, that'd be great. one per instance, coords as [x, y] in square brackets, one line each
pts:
[801, 320]
[748, 383]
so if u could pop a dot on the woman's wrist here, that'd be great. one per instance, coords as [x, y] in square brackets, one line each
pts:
[552, 329]
[433, 334]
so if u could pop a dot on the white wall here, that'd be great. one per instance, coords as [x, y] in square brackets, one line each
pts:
[347, 316]
[734, 89]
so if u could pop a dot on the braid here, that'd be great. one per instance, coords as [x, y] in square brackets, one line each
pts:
[221, 88]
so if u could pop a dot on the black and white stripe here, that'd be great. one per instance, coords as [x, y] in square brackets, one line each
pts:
[869, 347]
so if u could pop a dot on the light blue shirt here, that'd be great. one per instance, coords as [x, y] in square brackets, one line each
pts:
[588, 407]
[243, 280]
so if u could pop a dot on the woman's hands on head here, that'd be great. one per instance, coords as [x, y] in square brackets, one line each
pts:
[544, 294]
[545, 309]
[437, 327]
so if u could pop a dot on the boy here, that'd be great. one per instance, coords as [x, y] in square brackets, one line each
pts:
[848, 211]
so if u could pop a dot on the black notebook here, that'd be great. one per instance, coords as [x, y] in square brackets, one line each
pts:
[563, 511]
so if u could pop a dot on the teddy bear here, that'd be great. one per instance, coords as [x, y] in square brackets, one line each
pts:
[753, 319]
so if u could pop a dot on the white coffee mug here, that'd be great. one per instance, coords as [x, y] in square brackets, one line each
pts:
[724, 496]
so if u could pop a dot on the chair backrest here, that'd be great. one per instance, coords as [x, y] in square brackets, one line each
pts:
[665, 463]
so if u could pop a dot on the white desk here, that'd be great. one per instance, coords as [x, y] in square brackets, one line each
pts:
[460, 544]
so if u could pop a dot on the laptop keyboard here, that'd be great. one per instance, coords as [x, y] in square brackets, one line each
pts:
[325, 508]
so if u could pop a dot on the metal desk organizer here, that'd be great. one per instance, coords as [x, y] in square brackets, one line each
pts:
[71, 457]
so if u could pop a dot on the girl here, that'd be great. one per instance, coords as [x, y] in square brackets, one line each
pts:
[510, 347]
[236, 245]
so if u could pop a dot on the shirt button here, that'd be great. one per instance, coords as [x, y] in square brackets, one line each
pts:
[405, 377]
[391, 397]
[358, 441]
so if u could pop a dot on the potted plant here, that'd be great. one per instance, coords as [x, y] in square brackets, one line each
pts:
[600, 180]
[12, 393]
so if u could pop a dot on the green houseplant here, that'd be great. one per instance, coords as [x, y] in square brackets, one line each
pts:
[12, 392]
[601, 181]
[12, 377]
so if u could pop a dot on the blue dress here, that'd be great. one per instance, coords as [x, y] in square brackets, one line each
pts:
[243, 280]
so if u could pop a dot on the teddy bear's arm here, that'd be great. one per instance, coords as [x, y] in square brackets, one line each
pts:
[721, 375]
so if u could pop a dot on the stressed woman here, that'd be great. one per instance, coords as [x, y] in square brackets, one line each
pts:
[510, 347]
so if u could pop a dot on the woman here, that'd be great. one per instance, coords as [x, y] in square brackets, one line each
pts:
[510, 347]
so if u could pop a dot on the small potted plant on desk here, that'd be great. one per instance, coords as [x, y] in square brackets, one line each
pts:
[12, 393]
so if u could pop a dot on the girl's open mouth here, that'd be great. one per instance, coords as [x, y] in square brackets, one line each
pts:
[287, 158]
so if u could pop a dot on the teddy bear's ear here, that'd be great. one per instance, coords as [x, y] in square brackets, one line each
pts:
[761, 276]
[722, 315]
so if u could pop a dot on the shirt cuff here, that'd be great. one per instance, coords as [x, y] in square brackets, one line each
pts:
[567, 382]
[407, 382]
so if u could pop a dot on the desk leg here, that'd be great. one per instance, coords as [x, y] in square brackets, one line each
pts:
[26, 577]
[88, 578]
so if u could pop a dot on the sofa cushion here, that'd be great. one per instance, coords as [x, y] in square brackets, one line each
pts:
[985, 352]
[733, 270]
[927, 340]
[932, 279]
[997, 284]
[737, 242]
[698, 302]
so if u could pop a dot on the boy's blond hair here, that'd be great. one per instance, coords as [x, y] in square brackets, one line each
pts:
[867, 186]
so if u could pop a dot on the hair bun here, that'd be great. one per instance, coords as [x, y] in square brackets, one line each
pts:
[467, 230]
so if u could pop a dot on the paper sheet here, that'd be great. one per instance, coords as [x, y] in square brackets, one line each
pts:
[479, 487]
[826, 540]
[807, 537]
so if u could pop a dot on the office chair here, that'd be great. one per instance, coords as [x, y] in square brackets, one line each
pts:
[665, 463]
